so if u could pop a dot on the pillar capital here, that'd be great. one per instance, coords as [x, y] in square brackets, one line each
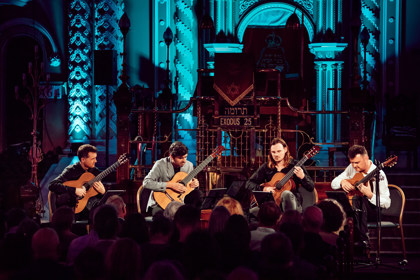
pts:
[327, 51]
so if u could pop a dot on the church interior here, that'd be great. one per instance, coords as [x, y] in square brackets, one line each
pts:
[224, 77]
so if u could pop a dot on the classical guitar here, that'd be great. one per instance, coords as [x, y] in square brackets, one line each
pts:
[283, 182]
[87, 179]
[164, 198]
[358, 178]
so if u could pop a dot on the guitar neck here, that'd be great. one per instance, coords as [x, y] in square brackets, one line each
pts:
[368, 176]
[104, 173]
[289, 174]
[197, 170]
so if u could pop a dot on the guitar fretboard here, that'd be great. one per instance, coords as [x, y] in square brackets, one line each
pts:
[104, 173]
[197, 170]
[289, 174]
[369, 175]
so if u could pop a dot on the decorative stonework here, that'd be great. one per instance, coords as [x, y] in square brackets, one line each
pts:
[308, 5]
[107, 37]
[80, 70]
[327, 50]
[184, 62]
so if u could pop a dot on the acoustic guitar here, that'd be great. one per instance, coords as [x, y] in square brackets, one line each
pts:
[164, 198]
[88, 179]
[283, 182]
[358, 178]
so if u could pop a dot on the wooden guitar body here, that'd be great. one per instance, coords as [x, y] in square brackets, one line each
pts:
[356, 178]
[279, 189]
[79, 183]
[164, 198]
[87, 180]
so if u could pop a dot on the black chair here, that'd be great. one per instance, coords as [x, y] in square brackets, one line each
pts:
[393, 217]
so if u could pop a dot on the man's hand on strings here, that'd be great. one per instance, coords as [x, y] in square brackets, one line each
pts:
[299, 172]
[80, 191]
[194, 183]
[99, 187]
[346, 185]
[365, 190]
[178, 187]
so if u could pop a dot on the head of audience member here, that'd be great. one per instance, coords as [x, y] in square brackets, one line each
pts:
[119, 204]
[123, 260]
[171, 209]
[13, 218]
[135, 227]
[334, 215]
[27, 228]
[238, 229]
[218, 219]
[295, 234]
[242, 273]
[106, 222]
[45, 244]
[161, 229]
[291, 216]
[276, 255]
[90, 264]
[269, 214]
[312, 219]
[164, 269]
[202, 254]
[187, 220]
[62, 219]
[231, 204]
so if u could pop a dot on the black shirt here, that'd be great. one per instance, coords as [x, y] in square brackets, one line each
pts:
[265, 174]
[67, 195]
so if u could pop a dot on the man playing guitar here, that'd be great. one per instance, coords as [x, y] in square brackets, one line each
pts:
[364, 203]
[280, 161]
[66, 195]
[159, 177]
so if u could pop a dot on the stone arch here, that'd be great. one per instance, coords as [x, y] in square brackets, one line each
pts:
[21, 27]
[274, 14]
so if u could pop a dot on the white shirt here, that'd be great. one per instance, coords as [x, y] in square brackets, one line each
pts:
[349, 172]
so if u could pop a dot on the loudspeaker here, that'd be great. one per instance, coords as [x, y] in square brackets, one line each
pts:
[105, 67]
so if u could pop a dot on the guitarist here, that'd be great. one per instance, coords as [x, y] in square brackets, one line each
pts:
[364, 203]
[280, 160]
[159, 177]
[68, 195]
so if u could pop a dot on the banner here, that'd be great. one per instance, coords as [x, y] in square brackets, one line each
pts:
[234, 76]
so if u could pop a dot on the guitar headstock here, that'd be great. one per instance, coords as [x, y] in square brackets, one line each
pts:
[123, 158]
[217, 151]
[390, 162]
[313, 151]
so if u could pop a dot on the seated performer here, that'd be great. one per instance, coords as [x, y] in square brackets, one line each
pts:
[164, 170]
[364, 203]
[280, 160]
[66, 195]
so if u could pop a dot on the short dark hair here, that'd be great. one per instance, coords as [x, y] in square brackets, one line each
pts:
[178, 149]
[356, 150]
[84, 150]
[269, 214]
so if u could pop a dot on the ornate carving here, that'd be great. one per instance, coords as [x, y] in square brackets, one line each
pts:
[80, 68]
